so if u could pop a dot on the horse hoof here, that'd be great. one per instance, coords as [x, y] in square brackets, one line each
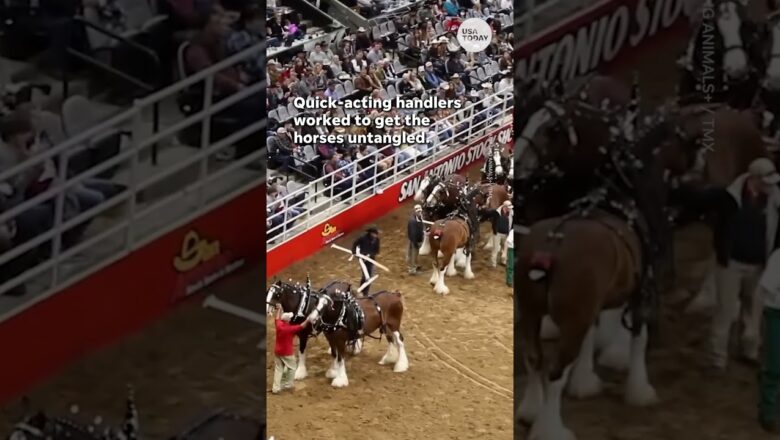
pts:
[330, 374]
[443, 291]
[584, 385]
[340, 382]
[551, 433]
[641, 395]
[400, 368]
[469, 275]
[452, 273]
[301, 373]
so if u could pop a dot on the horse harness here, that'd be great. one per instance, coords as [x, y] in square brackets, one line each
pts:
[643, 300]
[352, 318]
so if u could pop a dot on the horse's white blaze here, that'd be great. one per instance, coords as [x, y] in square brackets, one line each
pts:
[533, 398]
[391, 355]
[729, 24]
[418, 196]
[467, 273]
[402, 364]
[425, 249]
[584, 382]
[435, 193]
[440, 287]
[773, 69]
[333, 370]
[341, 380]
[549, 424]
[268, 297]
[613, 341]
[639, 392]
[300, 371]
[528, 159]
[451, 271]
[549, 330]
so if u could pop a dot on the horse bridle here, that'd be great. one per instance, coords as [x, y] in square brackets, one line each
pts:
[304, 296]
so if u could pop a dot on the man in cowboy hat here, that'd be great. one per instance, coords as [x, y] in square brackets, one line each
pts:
[368, 245]
[745, 237]
[284, 358]
[415, 231]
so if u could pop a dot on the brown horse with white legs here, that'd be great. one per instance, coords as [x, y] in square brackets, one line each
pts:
[448, 236]
[438, 206]
[556, 280]
[348, 320]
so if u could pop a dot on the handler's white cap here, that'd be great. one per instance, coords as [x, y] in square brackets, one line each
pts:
[287, 316]
[764, 168]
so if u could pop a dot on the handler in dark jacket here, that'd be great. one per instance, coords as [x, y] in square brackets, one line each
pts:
[368, 245]
[415, 230]
[746, 235]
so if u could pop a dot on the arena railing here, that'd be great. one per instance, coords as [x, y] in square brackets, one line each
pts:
[177, 200]
[317, 201]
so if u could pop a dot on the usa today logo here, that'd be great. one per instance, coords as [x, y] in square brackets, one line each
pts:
[474, 35]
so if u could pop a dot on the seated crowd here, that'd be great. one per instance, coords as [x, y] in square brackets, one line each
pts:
[419, 57]
[211, 30]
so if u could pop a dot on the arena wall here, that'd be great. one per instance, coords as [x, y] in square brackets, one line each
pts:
[130, 294]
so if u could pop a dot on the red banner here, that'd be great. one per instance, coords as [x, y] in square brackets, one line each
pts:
[131, 293]
[378, 205]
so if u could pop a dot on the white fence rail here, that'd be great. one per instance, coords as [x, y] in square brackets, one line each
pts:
[208, 185]
[328, 195]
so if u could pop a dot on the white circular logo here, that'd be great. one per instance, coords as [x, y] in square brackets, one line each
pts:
[474, 35]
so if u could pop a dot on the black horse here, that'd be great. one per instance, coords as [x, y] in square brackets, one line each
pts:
[725, 60]
[301, 301]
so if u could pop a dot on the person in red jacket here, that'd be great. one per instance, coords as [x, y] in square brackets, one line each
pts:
[284, 360]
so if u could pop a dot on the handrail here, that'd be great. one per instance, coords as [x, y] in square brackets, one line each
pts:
[145, 219]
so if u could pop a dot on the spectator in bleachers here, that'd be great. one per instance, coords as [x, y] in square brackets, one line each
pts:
[358, 63]
[375, 53]
[506, 62]
[331, 91]
[450, 8]
[209, 48]
[17, 142]
[431, 78]
[320, 56]
[247, 32]
[281, 150]
[362, 41]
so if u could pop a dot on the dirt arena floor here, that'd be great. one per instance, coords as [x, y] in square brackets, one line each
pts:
[694, 405]
[183, 368]
[459, 382]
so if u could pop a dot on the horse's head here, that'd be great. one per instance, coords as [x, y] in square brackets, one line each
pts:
[772, 73]
[426, 185]
[730, 16]
[284, 295]
[436, 195]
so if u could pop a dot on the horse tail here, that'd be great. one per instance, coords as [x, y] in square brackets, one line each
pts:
[541, 265]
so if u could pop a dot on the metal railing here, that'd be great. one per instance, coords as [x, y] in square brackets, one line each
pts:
[143, 220]
[300, 210]
[532, 14]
